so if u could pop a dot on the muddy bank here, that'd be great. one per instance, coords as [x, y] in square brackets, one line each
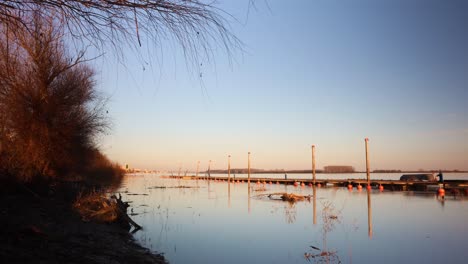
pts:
[42, 227]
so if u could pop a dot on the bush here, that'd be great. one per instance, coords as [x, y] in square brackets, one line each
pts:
[50, 111]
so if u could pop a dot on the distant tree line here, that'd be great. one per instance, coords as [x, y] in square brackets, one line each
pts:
[338, 169]
[386, 171]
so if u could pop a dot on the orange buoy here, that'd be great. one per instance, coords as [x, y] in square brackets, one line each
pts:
[310, 184]
[319, 185]
[295, 183]
[381, 187]
[350, 186]
[277, 182]
[369, 187]
[302, 184]
[270, 182]
[359, 187]
[441, 192]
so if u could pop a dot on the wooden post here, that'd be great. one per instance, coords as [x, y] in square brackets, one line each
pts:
[367, 161]
[209, 169]
[198, 166]
[248, 170]
[229, 169]
[313, 163]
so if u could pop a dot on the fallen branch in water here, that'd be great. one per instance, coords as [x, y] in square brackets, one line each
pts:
[122, 209]
[95, 207]
[288, 197]
[173, 187]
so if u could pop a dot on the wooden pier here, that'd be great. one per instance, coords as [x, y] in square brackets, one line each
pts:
[391, 185]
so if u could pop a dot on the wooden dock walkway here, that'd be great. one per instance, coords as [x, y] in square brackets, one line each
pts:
[393, 185]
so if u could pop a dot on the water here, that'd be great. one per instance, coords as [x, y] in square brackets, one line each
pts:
[215, 223]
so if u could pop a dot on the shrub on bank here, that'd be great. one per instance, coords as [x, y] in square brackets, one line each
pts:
[50, 110]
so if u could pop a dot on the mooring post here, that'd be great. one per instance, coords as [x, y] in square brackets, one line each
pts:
[248, 169]
[198, 167]
[229, 169]
[313, 163]
[209, 170]
[367, 161]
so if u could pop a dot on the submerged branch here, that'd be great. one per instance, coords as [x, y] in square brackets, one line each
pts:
[288, 197]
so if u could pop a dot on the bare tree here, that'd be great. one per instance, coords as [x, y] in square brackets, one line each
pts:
[49, 109]
[198, 26]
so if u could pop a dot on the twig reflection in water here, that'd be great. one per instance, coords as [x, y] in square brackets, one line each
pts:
[290, 213]
[330, 217]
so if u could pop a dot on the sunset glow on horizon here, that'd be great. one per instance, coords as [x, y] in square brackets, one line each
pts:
[328, 73]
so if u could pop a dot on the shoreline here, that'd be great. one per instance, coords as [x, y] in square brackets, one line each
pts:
[45, 229]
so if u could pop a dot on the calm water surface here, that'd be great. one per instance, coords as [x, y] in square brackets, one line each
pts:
[217, 223]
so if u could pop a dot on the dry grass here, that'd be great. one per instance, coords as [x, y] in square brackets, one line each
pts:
[97, 208]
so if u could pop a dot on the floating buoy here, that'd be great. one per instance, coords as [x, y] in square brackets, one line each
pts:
[350, 186]
[270, 182]
[319, 185]
[381, 187]
[369, 187]
[302, 184]
[258, 182]
[359, 187]
[441, 191]
[277, 182]
[310, 184]
[295, 183]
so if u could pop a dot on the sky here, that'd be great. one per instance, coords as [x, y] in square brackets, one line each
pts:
[328, 73]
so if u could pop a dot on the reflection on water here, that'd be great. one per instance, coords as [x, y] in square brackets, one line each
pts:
[314, 197]
[224, 223]
[369, 214]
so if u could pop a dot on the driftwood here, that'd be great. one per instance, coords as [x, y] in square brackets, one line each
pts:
[288, 197]
[122, 212]
[95, 207]
[173, 187]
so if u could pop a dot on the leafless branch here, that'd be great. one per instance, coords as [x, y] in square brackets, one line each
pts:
[197, 26]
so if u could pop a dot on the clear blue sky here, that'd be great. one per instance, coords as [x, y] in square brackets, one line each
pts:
[328, 73]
